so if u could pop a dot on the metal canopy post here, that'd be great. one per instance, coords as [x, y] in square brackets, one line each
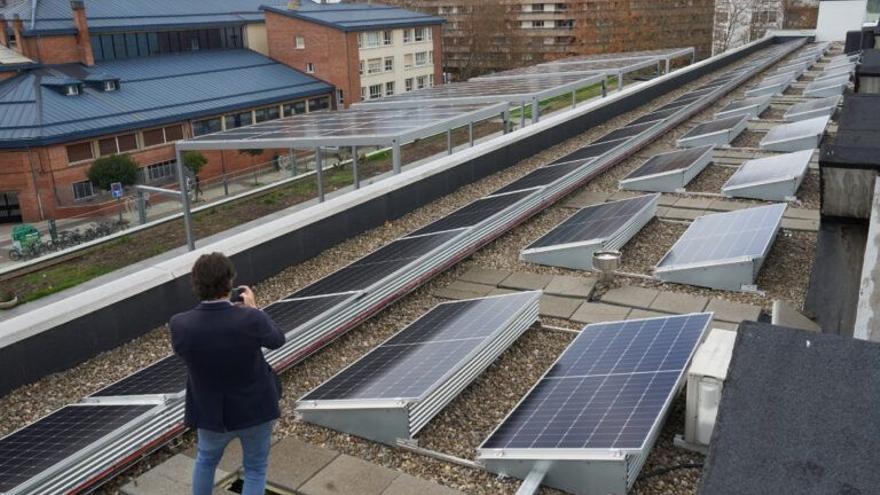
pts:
[292, 162]
[660, 70]
[184, 200]
[354, 167]
[668, 62]
[395, 157]
[620, 81]
[522, 115]
[604, 87]
[574, 101]
[319, 173]
[448, 141]
[505, 122]
[471, 133]
[536, 116]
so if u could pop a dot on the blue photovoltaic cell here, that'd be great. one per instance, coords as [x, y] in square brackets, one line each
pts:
[375, 266]
[627, 132]
[594, 222]
[608, 389]
[473, 213]
[591, 151]
[167, 376]
[408, 364]
[289, 315]
[725, 236]
[542, 177]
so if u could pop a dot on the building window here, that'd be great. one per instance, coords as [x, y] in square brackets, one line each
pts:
[389, 88]
[408, 84]
[431, 81]
[361, 71]
[79, 152]
[237, 120]
[160, 171]
[144, 44]
[110, 86]
[407, 35]
[268, 113]
[310, 68]
[419, 34]
[83, 190]
[408, 61]
[117, 144]
[389, 64]
[300, 43]
[363, 93]
[294, 108]
[207, 126]
[340, 97]
[387, 38]
[316, 104]
[371, 39]
[421, 81]
[374, 66]
[375, 91]
[421, 59]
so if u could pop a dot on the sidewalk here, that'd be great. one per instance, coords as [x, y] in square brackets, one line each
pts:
[294, 467]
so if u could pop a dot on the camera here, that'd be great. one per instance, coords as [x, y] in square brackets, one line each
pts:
[235, 295]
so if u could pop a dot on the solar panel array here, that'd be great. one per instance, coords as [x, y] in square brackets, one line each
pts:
[774, 178]
[796, 136]
[608, 390]
[409, 363]
[595, 222]
[722, 237]
[45, 443]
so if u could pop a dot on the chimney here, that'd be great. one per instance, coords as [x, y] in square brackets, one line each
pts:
[293, 5]
[83, 39]
[18, 30]
[4, 35]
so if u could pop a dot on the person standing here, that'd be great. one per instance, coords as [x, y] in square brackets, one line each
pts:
[231, 391]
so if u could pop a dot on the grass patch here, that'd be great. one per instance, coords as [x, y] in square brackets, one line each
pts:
[58, 278]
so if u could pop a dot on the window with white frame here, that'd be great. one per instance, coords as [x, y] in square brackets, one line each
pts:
[159, 171]
[419, 34]
[362, 67]
[340, 97]
[300, 43]
[421, 59]
[310, 68]
[389, 64]
[387, 38]
[83, 190]
[431, 81]
[408, 84]
[375, 91]
[374, 66]
[408, 60]
[371, 39]
[389, 88]
[421, 81]
[407, 35]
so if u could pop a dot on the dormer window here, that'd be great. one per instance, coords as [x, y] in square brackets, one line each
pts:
[110, 86]
[71, 89]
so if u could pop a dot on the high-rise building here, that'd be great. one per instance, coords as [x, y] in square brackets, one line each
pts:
[482, 36]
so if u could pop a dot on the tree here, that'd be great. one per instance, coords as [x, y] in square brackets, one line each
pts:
[114, 168]
[194, 161]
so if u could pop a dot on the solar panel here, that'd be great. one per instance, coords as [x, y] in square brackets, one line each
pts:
[542, 176]
[679, 102]
[723, 251]
[751, 107]
[717, 132]
[595, 222]
[796, 136]
[665, 163]
[291, 314]
[774, 178]
[827, 87]
[625, 132]
[768, 88]
[38, 447]
[164, 377]
[812, 109]
[656, 115]
[591, 151]
[608, 390]
[376, 266]
[473, 213]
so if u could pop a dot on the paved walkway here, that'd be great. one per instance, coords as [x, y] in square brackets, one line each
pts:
[294, 467]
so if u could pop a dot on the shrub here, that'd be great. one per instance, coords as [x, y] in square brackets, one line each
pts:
[114, 168]
[194, 161]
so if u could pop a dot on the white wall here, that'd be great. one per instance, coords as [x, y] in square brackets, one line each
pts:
[836, 17]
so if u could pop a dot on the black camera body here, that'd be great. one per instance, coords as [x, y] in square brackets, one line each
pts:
[235, 295]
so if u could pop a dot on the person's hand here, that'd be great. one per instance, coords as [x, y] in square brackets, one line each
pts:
[248, 297]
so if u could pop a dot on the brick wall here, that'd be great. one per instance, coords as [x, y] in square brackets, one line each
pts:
[334, 53]
[62, 49]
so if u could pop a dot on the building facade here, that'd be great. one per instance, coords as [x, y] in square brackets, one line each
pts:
[107, 78]
[399, 51]
[483, 36]
[738, 22]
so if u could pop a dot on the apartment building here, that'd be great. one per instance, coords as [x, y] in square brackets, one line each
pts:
[738, 22]
[85, 79]
[367, 51]
[484, 36]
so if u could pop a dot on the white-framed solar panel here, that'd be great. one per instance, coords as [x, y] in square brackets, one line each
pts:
[749, 107]
[799, 66]
[796, 136]
[668, 172]
[811, 109]
[828, 87]
[789, 77]
[840, 62]
[723, 251]
[774, 178]
[845, 70]
[716, 133]
[772, 88]
[591, 421]
[605, 226]
[393, 391]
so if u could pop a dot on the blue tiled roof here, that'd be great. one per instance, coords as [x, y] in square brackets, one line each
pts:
[55, 16]
[357, 16]
[153, 91]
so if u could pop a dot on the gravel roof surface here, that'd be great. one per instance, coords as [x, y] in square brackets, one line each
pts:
[460, 427]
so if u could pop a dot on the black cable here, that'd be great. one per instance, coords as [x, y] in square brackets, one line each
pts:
[662, 471]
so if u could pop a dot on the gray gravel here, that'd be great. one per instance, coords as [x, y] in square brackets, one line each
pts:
[459, 428]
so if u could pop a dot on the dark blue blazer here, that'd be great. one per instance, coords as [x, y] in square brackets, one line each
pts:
[230, 384]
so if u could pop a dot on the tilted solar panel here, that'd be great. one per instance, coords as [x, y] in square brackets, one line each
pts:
[669, 162]
[591, 151]
[291, 314]
[473, 213]
[771, 169]
[164, 377]
[542, 176]
[594, 222]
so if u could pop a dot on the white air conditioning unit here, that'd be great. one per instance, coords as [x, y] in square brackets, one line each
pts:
[705, 384]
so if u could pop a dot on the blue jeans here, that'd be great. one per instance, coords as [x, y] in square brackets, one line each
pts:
[255, 443]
